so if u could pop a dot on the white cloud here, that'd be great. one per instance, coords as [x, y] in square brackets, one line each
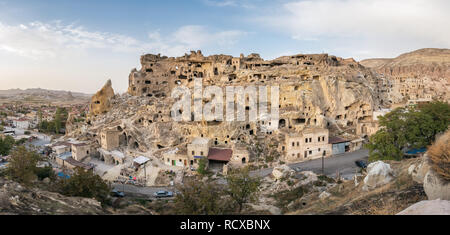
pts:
[49, 40]
[58, 56]
[366, 27]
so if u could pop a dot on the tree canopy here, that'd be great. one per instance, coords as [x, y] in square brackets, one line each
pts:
[414, 127]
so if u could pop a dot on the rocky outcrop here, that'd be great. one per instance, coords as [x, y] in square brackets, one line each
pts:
[430, 207]
[435, 187]
[378, 173]
[419, 170]
[282, 171]
[100, 102]
[16, 199]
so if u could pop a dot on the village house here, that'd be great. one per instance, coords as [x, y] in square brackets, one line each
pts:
[311, 143]
[198, 149]
[176, 157]
[112, 157]
[109, 139]
[66, 161]
[21, 123]
[339, 145]
[80, 151]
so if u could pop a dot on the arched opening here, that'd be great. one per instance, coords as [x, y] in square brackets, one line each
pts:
[244, 160]
[282, 123]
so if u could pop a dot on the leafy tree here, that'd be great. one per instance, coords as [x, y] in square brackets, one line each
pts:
[242, 188]
[403, 128]
[22, 165]
[6, 145]
[382, 146]
[198, 198]
[84, 183]
[439, 113]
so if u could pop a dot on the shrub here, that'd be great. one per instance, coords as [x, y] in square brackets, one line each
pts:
[439, 155]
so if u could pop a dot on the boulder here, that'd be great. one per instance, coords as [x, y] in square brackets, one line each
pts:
[418, 171]
[281, 171]
[435, 187]
[378, 173]
[430, 207]
[324, 195]
[309, 177]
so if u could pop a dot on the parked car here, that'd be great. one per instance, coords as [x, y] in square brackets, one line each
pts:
[162, 194]
[116, 193]
[361, 163]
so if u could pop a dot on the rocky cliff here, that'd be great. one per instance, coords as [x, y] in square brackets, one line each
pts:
[100, 102]
[431, 62]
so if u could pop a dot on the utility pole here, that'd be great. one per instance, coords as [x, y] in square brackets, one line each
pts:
[323, 159]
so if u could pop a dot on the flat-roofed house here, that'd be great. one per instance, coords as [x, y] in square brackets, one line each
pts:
[310, 143]
[81, 151]
[198, 149]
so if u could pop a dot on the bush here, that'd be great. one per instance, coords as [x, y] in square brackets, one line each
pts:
[202, 164]
[439, 155]
[45, 172]
[85, 184]
[22, 165]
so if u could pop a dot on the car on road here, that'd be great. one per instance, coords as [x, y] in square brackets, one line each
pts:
[361, 163]
[163, 194]
[116, 193]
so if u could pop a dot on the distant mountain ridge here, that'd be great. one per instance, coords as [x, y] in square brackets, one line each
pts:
[432, 62]
[42, 94]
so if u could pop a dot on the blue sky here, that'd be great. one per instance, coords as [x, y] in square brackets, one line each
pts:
[78, 45]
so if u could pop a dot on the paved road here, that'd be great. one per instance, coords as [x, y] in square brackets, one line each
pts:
[131, 190]
[344, 163]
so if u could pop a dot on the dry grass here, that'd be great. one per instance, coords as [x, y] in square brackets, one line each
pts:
[439, 155]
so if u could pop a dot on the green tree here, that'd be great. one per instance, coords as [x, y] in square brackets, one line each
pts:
[84, 183]
[22, 165]
[202, 165]
[6, 145]
[439, 113]
[242, 188]
[403, 128]
[382, 146]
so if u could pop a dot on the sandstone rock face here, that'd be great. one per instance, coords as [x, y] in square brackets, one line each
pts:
[430, 207]
[100, 102]
[281, 171]
[425, 62]
[378, 173]
[435, 187]
[419, 75]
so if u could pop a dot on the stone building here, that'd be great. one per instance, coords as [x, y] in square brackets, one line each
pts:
[311, 143]
[80, 151]
[109, 139]
[197, 149]
[176, 157]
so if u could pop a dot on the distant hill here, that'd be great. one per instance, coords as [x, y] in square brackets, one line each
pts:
[431, 62]
[38, 94]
